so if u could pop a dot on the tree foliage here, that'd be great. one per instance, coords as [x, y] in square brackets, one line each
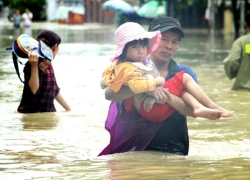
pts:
[190, 2]
[37, 7]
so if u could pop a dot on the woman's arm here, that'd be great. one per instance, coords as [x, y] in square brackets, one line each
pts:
[59, 98]
[34, 78]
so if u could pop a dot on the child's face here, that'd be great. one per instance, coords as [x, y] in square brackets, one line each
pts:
[137, 52]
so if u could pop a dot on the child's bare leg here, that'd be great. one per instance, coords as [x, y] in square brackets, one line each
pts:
[199, 109]
[173, 100]
[195, 90]
[178, 104]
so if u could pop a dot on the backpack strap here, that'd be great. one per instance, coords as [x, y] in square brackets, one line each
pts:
[15, 59]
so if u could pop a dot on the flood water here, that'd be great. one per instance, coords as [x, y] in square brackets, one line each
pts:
[65, 145]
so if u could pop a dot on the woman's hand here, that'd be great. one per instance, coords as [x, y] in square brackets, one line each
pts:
[33, 57]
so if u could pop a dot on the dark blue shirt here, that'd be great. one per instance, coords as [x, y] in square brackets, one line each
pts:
[172, 135]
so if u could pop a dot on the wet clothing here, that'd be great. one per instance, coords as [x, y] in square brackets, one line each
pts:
[43, 100]
[160, 112]
[129, 131]
[141, 78]
[237, 63]
[138, 77]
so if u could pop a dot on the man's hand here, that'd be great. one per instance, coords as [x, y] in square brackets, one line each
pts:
[148, 101]
[160, 94]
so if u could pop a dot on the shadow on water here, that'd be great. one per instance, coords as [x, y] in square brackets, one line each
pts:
[66, 144]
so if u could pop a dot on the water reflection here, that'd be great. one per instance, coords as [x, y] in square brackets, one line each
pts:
[22, 30]
[175, 167]
[64, 145]
[40, 121]
[27, 30]
[16, 32]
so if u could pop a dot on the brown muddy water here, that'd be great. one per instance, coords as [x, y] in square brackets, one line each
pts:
[64, 145]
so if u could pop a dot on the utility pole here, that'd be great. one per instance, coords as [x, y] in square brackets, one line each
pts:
[211, 11]
[168, 2]
[236, 17]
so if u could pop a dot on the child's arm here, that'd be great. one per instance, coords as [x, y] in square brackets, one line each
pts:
[59, 98]
[139, 84]
[126, 86]
[159, 81]
[125, 92]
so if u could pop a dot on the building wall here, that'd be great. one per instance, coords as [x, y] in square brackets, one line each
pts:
[95, 13]
[51, 9]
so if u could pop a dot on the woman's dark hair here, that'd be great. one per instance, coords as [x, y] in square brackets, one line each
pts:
[50, 38]
[131, 43]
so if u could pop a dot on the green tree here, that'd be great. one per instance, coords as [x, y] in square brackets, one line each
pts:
[37, 7]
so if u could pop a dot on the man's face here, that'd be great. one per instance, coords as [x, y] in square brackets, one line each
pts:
[169, 44]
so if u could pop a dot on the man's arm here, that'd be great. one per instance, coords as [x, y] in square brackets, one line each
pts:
[176, 102]
[122, 94]
[160, 94]
[232, 61]
[103, 84]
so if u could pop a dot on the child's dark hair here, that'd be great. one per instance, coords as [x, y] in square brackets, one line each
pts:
[247, 18]
[132, 43]
[50, 38]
